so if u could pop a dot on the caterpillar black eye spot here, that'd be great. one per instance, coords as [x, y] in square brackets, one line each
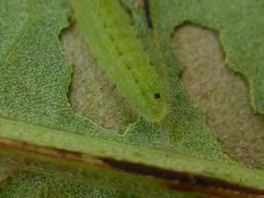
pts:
[156, 95]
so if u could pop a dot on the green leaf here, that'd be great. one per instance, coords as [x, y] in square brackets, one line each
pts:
[238, 24]
[230, 106]
[50, 149]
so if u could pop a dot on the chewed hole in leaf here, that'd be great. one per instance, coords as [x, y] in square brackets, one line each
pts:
[91, 95]
[221, 93]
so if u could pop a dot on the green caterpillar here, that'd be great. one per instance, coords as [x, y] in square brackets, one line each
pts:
[112, 40]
